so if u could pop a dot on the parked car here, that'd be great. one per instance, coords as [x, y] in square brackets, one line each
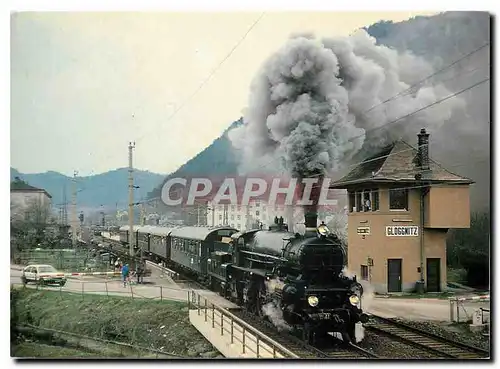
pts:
[43, 274]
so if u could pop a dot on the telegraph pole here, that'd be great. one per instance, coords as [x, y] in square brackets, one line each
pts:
[131, 146]
[74, 221]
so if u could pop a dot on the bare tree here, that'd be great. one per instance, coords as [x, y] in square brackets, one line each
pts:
[31, 225]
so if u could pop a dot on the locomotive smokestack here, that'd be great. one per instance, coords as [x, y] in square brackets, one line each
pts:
[311, 211]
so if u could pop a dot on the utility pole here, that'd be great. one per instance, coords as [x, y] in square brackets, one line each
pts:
[74, 221]
[131, 146]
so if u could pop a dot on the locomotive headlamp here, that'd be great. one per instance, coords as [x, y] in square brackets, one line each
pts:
[354, 300]
[313, 301]
[323, 230]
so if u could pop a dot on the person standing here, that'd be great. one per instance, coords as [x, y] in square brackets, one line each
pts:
[140, 273]
[125, 272]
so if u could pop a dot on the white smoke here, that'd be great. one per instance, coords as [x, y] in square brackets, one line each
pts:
[347, 273]
[272, 310]
[308, 104]
[275, 315]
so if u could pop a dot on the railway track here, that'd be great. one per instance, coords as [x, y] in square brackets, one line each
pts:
[300, 348]
[429, 342]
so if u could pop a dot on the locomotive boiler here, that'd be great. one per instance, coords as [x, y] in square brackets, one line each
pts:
[299, 275]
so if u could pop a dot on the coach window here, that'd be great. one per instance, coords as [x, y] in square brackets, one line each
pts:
[199, 248]
[398, 199]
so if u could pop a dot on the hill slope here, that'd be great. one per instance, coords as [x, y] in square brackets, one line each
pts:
[106, 189]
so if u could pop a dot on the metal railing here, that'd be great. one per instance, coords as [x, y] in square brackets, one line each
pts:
[252, 342]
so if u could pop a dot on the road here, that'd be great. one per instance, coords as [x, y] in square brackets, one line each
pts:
[114, 287]
[161, 288]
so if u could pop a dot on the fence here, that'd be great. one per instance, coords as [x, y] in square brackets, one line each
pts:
[250, 341]
[112, 287]
[459, 311]
[72, 260]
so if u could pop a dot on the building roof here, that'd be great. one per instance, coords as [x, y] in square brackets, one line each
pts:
[197, 233]
[397, 163]
[18, 185]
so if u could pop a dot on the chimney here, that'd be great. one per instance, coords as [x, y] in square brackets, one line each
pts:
[423, 149]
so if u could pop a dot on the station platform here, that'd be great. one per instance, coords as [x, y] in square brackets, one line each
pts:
[231, 336]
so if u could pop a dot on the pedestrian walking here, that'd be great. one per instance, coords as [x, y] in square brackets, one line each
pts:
[125, 272]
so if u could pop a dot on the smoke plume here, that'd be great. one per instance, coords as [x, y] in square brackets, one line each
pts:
[272, 310]
[308, 105]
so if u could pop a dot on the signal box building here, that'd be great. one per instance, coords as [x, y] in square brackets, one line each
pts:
[401, 205]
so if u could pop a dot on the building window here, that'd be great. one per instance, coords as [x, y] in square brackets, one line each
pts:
[398, 199]
[375, 200]
[239, 225]
[364, 201]
[364, 272]
[367, 204]
[232, 217]
[220, 216]
[239, 217]
[257, 213]
[257, 204]
[358, 206]
[232, 225]
[352, 201]
[232, 207]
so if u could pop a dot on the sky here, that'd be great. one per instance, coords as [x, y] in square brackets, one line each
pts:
[85, 84]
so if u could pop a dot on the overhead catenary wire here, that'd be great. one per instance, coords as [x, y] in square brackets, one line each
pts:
[428, 77]
[375, 128]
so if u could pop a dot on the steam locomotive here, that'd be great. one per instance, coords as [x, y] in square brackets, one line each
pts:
[299, 276]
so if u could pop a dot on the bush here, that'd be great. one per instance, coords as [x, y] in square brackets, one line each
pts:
[470, 249]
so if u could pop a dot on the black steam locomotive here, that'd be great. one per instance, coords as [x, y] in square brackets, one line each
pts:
[299, 276]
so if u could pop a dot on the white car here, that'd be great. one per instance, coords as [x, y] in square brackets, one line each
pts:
[43, 274]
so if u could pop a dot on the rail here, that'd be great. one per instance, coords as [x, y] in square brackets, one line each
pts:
[426, 340]
[240, 332]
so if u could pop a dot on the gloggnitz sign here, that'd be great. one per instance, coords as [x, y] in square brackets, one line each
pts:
[401, 231]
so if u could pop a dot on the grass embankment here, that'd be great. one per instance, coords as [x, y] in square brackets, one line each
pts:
[160, 325]
[40, 350]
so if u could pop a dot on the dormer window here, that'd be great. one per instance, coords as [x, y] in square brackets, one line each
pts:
[398, 199]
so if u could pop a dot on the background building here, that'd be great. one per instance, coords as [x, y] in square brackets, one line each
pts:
[401, 205]
[24, 197]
